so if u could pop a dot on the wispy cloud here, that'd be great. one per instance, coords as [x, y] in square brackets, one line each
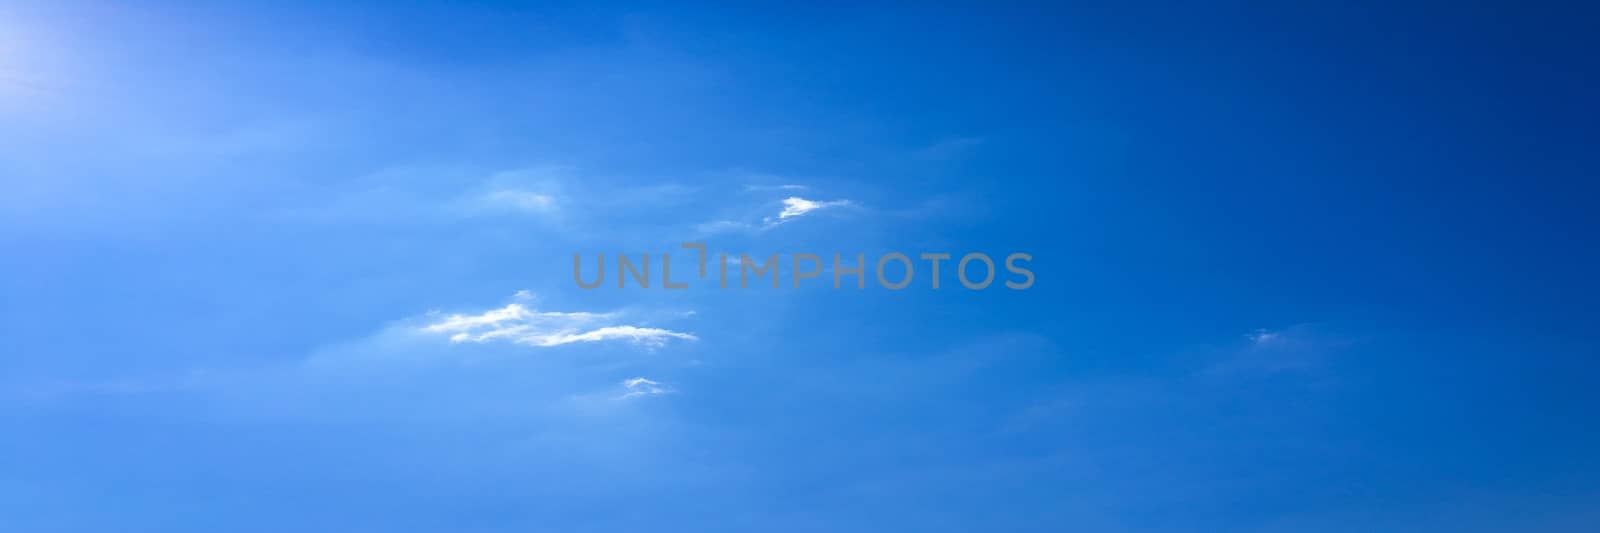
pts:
[638, 335]
[1302, 348]
[639, 387]
[723, 226]
[1264, 336]
[784, 187]
[520, 324]
[795, 206]
[520, 200]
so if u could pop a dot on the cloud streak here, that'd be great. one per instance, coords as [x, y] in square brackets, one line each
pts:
[640, 387]
[795, 206]
[519, 324]
[520, 200]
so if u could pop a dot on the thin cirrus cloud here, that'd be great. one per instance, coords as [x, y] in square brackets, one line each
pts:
[1303, 348]
[639, 387]
[520, 324]
[520, 200]
[795, 206]
[1263, 336]
[534, 190]
[782, 187]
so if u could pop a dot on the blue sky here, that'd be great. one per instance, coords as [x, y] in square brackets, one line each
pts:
[294, 266]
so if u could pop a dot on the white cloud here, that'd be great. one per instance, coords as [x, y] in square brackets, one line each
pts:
[638, 335]
[794, 206]
[517, 323]
[637, 387]
[743, 221]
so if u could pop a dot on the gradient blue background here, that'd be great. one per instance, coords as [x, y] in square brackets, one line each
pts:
[1300, 268]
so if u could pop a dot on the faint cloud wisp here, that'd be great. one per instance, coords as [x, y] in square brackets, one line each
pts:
[520, 200]
[521, 324]
[795, 206]
[640, 387]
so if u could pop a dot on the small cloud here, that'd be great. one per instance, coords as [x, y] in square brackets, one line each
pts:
[795, 206]
[1300, 348]
[722, 226]
[520, 200]
[653, 337]
[537, 190]
[523, 295]
[520, 324]
[638, 387]
[784, 187]
[1263, 336]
